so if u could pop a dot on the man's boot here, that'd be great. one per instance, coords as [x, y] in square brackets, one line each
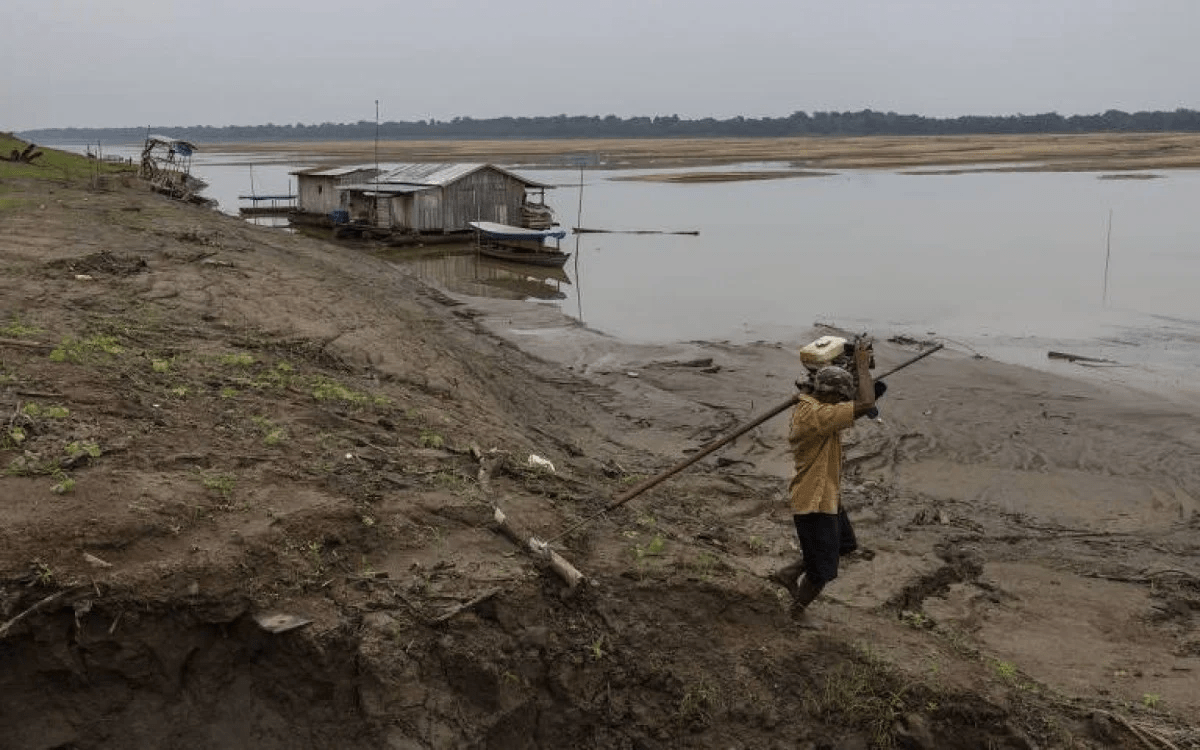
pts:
[806, 592]
[787, 577]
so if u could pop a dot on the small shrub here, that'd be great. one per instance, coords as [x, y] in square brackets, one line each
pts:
[42, 573]
[64, 485]
[222, 484]
[47, 412]
[653, 548]
[326, 389]
[431, 440]
[160, 365]
[656, 545]
[79, 449]
[1005, 670]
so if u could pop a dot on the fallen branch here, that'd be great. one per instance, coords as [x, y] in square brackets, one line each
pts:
[465, 606]
[25, 344]
[1147, 738]
[35, 608]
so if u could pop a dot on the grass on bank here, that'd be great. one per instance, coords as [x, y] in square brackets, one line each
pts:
[52, 165]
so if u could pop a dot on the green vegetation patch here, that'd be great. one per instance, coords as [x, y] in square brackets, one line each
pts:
[51, 165]
[11, 204]
[15, 328]
[238, 359]
[86, 350]
[868, 693]
[328, 389]
[52, 411]
[272, 434]
[221, 484]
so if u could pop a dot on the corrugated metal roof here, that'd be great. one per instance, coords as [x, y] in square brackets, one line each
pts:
[383, 187]
[442, 174]
[334, 171]
[429, 174]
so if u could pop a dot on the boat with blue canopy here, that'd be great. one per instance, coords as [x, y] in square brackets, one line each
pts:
[519, 244]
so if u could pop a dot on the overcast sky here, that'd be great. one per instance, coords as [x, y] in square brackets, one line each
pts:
[99, 63]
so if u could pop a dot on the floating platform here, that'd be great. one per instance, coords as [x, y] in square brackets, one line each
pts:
[275, 208]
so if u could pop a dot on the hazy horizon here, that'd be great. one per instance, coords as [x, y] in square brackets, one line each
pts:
[518, 116]
[127, 63]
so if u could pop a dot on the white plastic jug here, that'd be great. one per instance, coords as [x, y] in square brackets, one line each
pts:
[822, 352]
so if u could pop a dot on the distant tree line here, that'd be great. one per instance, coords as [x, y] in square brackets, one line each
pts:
[865, 122]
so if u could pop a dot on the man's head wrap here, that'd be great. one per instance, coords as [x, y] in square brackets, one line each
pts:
[835, 380]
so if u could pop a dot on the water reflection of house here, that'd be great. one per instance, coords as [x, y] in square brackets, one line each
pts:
[468, 273]
[425, 199]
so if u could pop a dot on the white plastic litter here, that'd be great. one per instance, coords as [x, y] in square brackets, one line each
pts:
[538, 462]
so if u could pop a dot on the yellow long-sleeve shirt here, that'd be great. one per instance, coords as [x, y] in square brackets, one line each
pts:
[817, 450]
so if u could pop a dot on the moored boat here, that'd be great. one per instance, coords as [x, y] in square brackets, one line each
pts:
[519, 244]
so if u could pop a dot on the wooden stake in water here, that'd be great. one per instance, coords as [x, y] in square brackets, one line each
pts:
[1107, 256]
[578, 221]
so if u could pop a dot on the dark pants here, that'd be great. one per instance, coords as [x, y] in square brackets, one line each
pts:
[824, 537]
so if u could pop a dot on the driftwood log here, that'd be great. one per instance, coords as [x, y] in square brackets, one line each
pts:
[1079, 358]
[539, 549]
[488, 464]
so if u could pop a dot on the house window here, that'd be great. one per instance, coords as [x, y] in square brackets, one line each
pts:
[320, 188]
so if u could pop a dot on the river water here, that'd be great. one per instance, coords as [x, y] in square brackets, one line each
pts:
[1006, 264]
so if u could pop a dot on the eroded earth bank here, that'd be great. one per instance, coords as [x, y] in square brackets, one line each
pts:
[208, 423]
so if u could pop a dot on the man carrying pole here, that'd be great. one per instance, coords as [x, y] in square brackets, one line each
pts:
[822, 525]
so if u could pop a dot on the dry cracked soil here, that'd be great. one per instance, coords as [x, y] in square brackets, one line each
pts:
[248, 493]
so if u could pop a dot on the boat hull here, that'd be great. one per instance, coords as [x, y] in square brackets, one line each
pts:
[551, 258]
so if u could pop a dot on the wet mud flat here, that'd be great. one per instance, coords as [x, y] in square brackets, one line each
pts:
[210, 424]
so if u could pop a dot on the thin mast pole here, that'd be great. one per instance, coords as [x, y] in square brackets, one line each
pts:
[1107, 256]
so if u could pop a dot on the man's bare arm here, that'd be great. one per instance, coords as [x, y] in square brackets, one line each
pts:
[865, 400]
